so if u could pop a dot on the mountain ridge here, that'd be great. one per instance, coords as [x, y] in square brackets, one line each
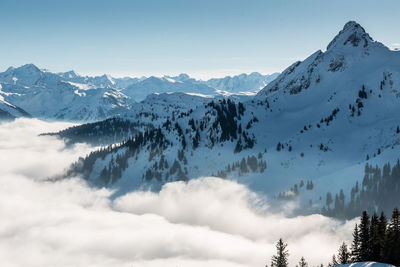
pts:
[320, 120]
[69, 96]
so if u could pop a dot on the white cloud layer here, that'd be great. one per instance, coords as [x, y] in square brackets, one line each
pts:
[206, 222]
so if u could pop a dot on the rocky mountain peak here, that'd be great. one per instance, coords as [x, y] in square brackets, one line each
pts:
[352, 35]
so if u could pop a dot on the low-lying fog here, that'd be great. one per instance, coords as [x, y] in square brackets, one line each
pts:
[206, 222]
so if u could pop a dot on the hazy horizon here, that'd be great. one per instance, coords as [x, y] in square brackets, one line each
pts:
[155, 38]
[198, 76]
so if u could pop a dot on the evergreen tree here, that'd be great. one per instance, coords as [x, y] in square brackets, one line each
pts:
[382, 232]
[334, 261]
[364, 237]
[343, 254]
[243, 166]
[281, 258]
[329, 199]
[375, 239]
[303, 263]
[379, 191]
[391, 251]
[355, 246]
[278, 146]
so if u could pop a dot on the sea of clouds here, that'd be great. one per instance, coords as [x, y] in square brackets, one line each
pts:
[205, 222]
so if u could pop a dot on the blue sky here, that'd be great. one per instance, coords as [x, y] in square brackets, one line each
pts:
[203, 38]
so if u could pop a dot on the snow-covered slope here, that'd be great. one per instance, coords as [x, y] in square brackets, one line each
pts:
[9, 111]
[47, 95]
[337, 107]
[319, 120]
[366, 264]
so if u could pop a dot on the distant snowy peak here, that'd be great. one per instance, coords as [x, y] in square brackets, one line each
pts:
[180, 78]
[242, 83]
[183, 83]
[69, 74]
[27, 74]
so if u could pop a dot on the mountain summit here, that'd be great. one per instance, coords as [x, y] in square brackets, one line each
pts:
[353, 34]
[351, 55]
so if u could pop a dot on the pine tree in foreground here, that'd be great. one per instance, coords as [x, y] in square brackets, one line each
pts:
[364, 228]
[302, 263]
[382, 232]
[343, 254]
[375, 239]
[391, 250]
[281, 258]
[355, 246]
[334, 261]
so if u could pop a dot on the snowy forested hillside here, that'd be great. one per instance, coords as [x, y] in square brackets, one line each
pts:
[314, 127]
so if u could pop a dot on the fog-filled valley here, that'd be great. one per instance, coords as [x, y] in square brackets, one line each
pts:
[207, 221]
[230, 142]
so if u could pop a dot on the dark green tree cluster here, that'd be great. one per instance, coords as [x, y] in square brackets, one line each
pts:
[106, 132]
[153, 140]
[328, 119]
[293, 192]
[281, 258]
[250, 123]
[362, 93]
[253, 164]
[374, 239]
[379, 191]
[227, 125]
[280, 147]
[342, 257]
[227, 114]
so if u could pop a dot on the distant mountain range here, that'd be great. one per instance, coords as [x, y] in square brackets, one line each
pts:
[30, 91]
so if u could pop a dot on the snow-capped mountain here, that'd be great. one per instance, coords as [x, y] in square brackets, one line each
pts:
[167, 84]
[182, 83]
[47, 95]
[69, 96]
[342, 102]
[241, 83]
[319, 122]
[99, 81]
